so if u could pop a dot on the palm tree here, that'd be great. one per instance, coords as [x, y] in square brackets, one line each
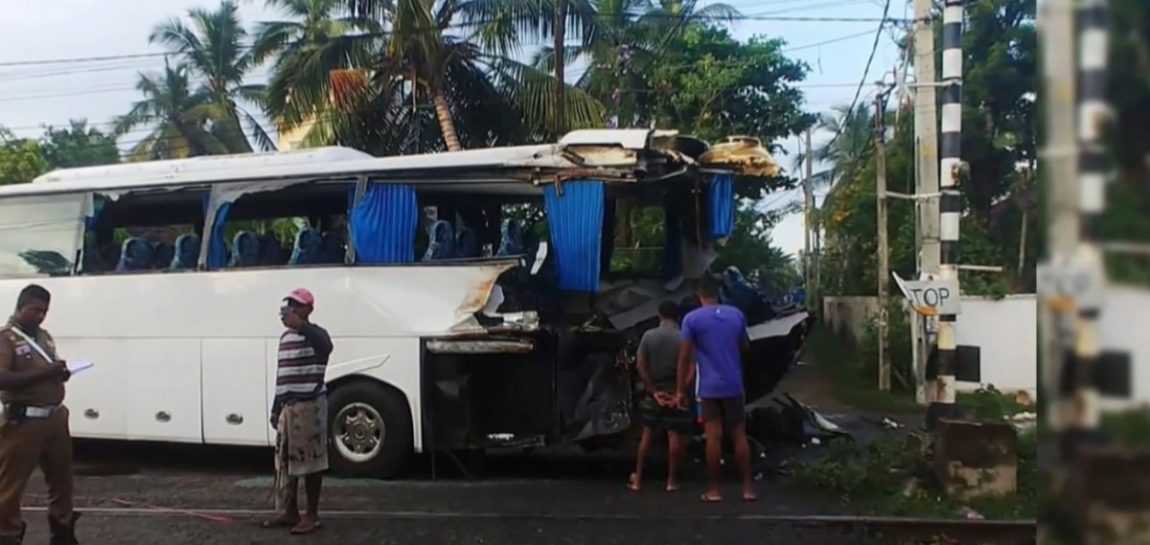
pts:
[307, 49]
[457, 56]
[213, 47]
[623, 40]
[179, 116]
[851, 145]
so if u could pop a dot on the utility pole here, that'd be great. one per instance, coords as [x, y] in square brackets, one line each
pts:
[560, 35]
[926, 183]
[808, 213]
[1061, 145]
[950, 204]
[883, 251]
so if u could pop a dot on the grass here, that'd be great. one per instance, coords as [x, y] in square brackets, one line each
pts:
[990, 404]
[872, 480]
[853, 383]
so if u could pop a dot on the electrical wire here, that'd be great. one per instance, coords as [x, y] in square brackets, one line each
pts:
[862, 81]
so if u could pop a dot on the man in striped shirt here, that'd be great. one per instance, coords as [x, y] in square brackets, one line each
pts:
[299, 414]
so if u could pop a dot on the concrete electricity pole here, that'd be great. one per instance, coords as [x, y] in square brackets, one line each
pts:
[950, 203]
[808, 213]
[926, 183]
[883, 250]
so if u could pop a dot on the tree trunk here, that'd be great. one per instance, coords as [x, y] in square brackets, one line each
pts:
[446, 123]
[560, 70]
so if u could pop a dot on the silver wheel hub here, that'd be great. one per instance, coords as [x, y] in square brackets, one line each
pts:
[358, 432]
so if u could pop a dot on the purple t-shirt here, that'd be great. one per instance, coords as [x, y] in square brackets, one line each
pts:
[717, 331]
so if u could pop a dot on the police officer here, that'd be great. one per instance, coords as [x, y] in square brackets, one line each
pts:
[35, 428]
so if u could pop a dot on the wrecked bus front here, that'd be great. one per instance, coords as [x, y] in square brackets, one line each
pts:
[599, 253]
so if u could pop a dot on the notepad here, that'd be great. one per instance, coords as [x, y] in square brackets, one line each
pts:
[78, 366]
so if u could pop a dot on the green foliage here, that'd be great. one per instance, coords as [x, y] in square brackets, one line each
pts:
[179, 117]
[990, 404]
[749, 248]
[78, 145]
[1130, 428]
[710, 85]
[899, 343]
[212, 45]
[998, 135]
[21, 160]
[873, 479]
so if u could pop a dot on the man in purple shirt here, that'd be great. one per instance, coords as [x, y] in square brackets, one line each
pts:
[715, 336]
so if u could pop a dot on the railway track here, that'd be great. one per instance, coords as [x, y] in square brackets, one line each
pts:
[855, 529]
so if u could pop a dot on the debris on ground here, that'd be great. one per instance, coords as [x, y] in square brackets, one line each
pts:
[970, 514]
[890, 424]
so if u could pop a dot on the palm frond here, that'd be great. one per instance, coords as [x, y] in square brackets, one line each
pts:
[532, 90]
[262, 139]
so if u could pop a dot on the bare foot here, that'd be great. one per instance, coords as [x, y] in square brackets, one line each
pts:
[633, 483]
[672, 486]
[749, 495]
[711, 496]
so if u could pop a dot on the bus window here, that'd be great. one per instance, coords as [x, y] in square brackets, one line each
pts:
[639, 239]
[40, 235]
[145, 232]
[300, 225]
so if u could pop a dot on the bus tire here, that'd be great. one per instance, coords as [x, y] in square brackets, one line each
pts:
[370, 427]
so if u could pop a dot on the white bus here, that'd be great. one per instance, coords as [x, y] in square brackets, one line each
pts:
[475, 299]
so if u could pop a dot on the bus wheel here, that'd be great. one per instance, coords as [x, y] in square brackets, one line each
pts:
[371, 432]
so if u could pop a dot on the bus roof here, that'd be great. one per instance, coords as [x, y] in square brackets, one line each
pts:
[622, 151]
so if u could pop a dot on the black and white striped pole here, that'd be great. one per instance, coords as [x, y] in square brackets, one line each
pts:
[950, 203]
[1093, 114]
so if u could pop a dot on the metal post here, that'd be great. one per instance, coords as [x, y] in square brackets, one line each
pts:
[950, 202]
[883, 251]
[926, 180]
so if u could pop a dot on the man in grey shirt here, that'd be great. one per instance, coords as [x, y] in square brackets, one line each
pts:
[658, 358]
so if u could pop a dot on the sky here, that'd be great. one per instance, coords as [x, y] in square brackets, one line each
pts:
[33, 95]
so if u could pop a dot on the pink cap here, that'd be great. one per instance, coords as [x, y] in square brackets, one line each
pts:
[302, 296]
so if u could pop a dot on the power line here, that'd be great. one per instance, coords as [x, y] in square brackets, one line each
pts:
[767, 16]
[76, 60]
[866, 73]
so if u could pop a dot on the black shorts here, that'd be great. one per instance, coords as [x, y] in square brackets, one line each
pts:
[731, 410]
[658, 417]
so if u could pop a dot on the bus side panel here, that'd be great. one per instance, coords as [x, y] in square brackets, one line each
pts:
[146, 389]
[236, 406]
[390, 360]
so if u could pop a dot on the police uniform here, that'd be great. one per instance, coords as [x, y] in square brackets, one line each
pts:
[35, 433]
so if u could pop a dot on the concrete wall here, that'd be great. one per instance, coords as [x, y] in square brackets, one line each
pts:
[1005, 329]
[849, 316]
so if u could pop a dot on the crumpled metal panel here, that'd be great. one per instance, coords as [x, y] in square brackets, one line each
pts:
[744, 154]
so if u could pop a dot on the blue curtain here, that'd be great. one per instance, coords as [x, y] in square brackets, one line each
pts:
[384, 223]
[217, 245]
[576, 223]
[721, 205]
